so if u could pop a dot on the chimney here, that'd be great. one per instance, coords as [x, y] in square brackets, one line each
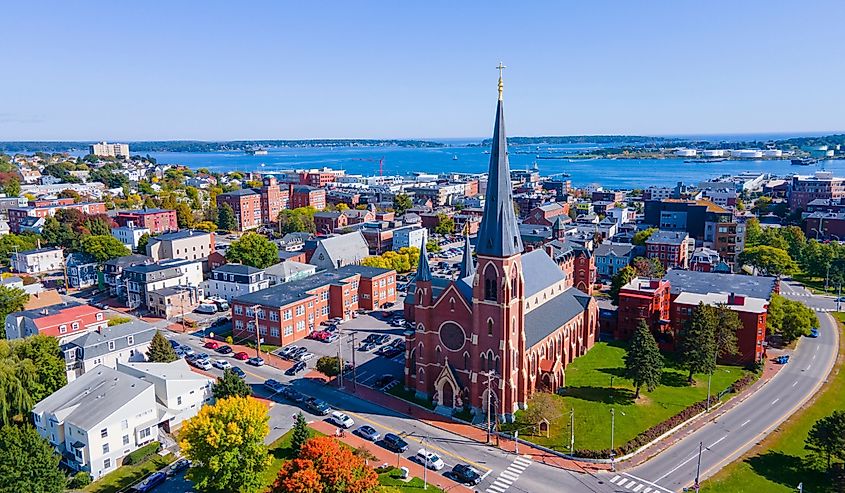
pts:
[735, 299]
[653, 283]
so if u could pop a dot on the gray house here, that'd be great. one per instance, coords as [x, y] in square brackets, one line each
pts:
[335, 252]
[612, 257]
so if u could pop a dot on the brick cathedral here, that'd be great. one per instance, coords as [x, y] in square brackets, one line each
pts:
[510, 322]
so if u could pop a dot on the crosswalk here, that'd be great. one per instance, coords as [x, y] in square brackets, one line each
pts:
[507, 477]
[635, 484]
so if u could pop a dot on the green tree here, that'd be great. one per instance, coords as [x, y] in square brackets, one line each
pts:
[300, 433]
[225, 441]
[791, 319]
[230, 385]
[12, 188]
[432, 246]
[206, 226]
[401, 203]
[142, 244]
[11, 242]
[28, 462]
[104, 247]
[11, 300]
[753, 232]
[727, 326]
[768, 260]
[826, 439]
[30, 370]
[649, 267]
[296, 220]
[184, 216]
[640, 237]
[698, 342]
[329, 366]
[643, 361]
[226, 218]
[621, 278]
[253, 249]
[160, 350]
[445, 224]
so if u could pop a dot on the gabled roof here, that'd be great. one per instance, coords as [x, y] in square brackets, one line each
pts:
[553, 314]
[467, 263]
[350, 246]
[614, 249]
[96, 343]
[241, 269]
[539, 272]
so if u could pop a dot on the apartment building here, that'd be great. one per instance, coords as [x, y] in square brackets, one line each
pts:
[64, 321]
[246, 203]
[107, 346]
[158, 221]
[104, 149]
[307, 196]
[38, 261]
[232, 280]
[410, 236]
[129, 235]
[144, 278]
[113, 272]
[821, 185]
[187, 244]
[672, 248]
[45, 209]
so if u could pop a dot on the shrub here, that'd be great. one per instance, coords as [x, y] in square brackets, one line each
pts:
[229, 340]
[118, 320]
[80, 480]
[142, 453]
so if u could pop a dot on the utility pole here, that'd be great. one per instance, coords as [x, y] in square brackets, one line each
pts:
[257, 331]
[698, 468]
[340, 361]
[612, 426]
[425, 466]
[839, 297]
[354, 366]
[489, 376]
[572, 431]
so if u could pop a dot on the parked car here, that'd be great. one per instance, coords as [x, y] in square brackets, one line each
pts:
[173, 344]
[367, 346]
[342, 420]
[202, 364]
[225, 350]
[304, 356]
[150, 482]
[287, 351]
[381, 339]
[429, 459]
[206, 308]
[256, 361]
[782, 360]
[368, 433]
[331, 337]
[237, 371]
[292, 394]
[317, 406]
[211, 345]
[465, 474]
[222, 364]
[187, 350]
[395, 443]
[177, 467]
[241, 356]
[296, 368]
[384, 380]
[273, 385]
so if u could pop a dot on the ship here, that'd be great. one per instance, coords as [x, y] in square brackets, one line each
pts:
[804, 161]
[257, 152]
[454, 157]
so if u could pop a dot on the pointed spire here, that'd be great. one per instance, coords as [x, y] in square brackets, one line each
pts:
[423, 270]
[467, 264]
[499, 233]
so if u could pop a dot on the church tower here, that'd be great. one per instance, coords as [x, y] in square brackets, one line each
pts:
[497, 289]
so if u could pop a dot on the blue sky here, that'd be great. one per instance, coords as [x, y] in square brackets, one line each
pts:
[231, 70]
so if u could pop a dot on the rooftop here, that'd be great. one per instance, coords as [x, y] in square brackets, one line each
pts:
[711, 282]
[738, 304]
[146, 211]
[178, 235]
[241, 269]
[552, 314]
[668, 237]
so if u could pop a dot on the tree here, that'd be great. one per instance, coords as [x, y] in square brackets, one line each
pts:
[622, 277]
[649, 267]
[698, 342]
[401, 203]
[230, 385]
[325, 465]
[11, 242]
[225, 441]
[753, 232]
[11, 300]
[643, 361]
[143, 240]
[103, 247]
[640, 237]
[791, 319]
[160, 350]
[30, 370]
[768, 260]
[300, 433]
[725, 330]
[70, 194]
[184, 216]
[253, 249]
[329, 366]
[28, 462]
[206, 226]
[432, 246]
[296, 220]
[445, 224]
[226, 219]
[12, 188]
[826, 439]
[543, 406]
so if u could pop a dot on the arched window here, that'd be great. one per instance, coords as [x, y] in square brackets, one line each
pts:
[489, 327]
[466, 361]
[484, 362]
[420, 351]
[490, 283]
[496, 367]
[452, 304]
[419, 296]
[421, 376]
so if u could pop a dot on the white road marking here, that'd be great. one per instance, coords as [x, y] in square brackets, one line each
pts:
[623, 482]
[502, 479]
[795, 383]
[496, 489]
[693, 456]
[652, 486]
[745, 423]
[483, 476]
[517, 467]
[509, 475]
[647, 489]
[615, 479]
[775, 401]
[638, 488]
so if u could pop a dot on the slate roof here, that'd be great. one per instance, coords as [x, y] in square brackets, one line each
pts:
[96, 343]
[178, 235]
[467, 262]
[438, 285]
[93, 397]
[712, 282]
[285, 269]
[540, 272]
[239, 192]
[241, 269]
[614, 249]
[36, 251]
[667, 238]
[554, 313]
[128, 260]
[423, 269]
[350, 247]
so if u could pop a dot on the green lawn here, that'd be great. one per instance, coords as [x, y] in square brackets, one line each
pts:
[589, 393]
[393, 478]
[409, 395]
[814, 284]
[780, 462]
[126, 476]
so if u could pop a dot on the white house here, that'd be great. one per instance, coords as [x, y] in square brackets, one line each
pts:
[95, 420]
[337, 251]
[180, 392]
[289, 270]
[146, 277]
[107, 346]
[129, 235]
[38, 261]
[186, 244]
[232, 280]
[409, 237]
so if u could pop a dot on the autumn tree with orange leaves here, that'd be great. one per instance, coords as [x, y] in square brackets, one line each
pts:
[325, 465]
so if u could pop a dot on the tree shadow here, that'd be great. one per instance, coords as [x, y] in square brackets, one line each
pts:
[616, 396]
[673, 379]
[617, 371]
[789, 470]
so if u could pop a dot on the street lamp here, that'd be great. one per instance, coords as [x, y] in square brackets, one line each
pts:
[612, 429]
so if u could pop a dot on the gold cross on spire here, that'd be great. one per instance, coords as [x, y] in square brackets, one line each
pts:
[501, 67]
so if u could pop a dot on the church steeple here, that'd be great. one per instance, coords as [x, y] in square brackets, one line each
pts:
[499, 233]
[467, 264]
[423, 270]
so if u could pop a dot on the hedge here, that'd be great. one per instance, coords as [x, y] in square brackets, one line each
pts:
[142, 453]
[659, 429]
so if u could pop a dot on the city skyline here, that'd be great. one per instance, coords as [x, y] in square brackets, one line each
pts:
[271, 71]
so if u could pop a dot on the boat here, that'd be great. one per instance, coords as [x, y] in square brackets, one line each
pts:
[804, 161]
[454, 157]
[257, 152]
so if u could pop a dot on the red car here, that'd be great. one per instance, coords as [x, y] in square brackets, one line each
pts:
[212, 345]
[241, 356]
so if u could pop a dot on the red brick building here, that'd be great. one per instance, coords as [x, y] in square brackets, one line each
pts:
[670, 247]
[156, 220]
[327, 222]
[642, 299]
[246, 203]
[316, 179]
[307, 196]
[273, 199]
[290, 311]
[48, 209]
[63, 321]
[546, 214]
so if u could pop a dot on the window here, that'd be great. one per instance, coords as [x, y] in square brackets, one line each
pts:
[489, 327]
[99, 317]
[490, 283]
[62, 329]
[300, 326]
[288, 330]
[145, 433]
[238, 310]
[124, 424]
[74, 326]
[104, 433]
[105, 448]
[239, 324]
[130, 340]
[106, 463]
[111, 345]
[274, 331]
[288, 314]
[300, 310]
[274, 316]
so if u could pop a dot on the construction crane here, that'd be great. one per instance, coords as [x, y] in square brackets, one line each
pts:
[380, 162]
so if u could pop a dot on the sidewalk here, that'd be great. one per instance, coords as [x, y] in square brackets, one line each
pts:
[469, 431]
[384, 456]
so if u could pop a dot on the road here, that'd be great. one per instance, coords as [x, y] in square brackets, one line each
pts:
[732, 434]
